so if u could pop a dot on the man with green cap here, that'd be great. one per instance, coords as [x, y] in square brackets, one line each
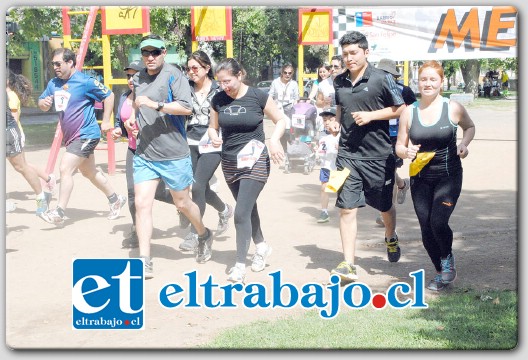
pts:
[162, 100]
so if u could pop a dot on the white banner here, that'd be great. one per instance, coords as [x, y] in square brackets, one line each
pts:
[431, 32]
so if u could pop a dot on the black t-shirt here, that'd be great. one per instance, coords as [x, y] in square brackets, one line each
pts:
[240, 120]
[376, 90]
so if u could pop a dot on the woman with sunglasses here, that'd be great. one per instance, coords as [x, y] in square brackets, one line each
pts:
[125, 111]
[205, 158]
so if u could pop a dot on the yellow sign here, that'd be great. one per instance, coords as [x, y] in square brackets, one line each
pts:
[125, 20]
[315, 27]
[211, 23]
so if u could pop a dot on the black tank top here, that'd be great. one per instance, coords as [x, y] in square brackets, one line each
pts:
[440, 137]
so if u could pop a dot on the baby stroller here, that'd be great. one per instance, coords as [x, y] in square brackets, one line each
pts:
[300, 148]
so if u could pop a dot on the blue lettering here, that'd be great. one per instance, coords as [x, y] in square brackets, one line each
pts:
[168, 291]
[228, 294]
[259, 295]
[208, 293]
[317, 296]
[334, 298]
[277, 291]
[192, 289]
[348, 295]
[392, 296]
[419, 285]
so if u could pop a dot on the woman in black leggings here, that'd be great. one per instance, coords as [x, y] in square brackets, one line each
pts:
[238, 112]
[205, 159]
[436, 175]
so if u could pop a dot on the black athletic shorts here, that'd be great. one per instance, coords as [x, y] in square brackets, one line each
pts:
[370, 182]
[82, 147]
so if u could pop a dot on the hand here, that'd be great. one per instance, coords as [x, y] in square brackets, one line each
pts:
[277, 152]
[361, 117]
[462, 150]
[105, 125]
[130, 125]
[412, 151]
[116, 133]
[144, 100]
[217, 142]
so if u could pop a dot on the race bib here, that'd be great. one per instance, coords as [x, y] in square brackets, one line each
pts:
[206, 146]
[61, 99]
[298, 121]
[248, 156]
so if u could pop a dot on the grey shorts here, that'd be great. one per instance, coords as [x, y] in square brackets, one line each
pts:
[13, 141]
[82, 147]
[370, 182]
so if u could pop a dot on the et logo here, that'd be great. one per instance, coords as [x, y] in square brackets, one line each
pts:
[108, 294]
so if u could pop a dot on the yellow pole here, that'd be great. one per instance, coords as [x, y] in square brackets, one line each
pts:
[406, 72]
[300, 70]
[229, 48]
[194, 46]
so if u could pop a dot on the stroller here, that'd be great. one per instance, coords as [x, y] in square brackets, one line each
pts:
[300, 148]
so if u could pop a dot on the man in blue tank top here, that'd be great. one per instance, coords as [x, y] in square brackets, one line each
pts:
[73, 95]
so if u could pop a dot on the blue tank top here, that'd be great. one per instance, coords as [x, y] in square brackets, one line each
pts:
[440, 137]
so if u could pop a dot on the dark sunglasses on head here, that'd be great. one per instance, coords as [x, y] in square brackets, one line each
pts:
[147, 53]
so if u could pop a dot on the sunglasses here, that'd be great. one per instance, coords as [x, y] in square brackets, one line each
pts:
[56, 63]
[154, 53]
[194, 68]
[129, 76]
[287, 72]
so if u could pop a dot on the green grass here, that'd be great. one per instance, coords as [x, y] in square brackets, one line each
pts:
[461, 320]
[39, 135]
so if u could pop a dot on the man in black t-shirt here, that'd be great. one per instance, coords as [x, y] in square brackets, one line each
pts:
[366, 99]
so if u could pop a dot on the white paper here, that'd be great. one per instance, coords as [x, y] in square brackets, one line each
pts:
[248, 156]
[61, 99]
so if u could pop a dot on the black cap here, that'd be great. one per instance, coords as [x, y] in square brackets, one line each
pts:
[389, 66]
[328, 111]
[135, 65]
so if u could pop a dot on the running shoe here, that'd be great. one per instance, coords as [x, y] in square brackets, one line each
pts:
[323, 218]
[393, 249]
[345, 271]
[204, 249]
[148, 270]
[258, 262]
[132, 241]
[402, 193]
[115, 207]
[236, 275]
[436, 284]
[190, 242]
[223, 220]
[448, 269]
[52, 217]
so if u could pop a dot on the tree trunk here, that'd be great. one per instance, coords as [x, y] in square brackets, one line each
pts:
[470, 73]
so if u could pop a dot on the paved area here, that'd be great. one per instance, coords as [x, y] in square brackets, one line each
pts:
[39, 256]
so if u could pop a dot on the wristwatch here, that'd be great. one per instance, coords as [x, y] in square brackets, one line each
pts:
[160, 106]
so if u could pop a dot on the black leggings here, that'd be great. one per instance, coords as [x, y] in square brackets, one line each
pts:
[162, 193]
[204, 167]
[247, 220]
[434, 202]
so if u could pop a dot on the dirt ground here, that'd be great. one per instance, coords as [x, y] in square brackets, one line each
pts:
[39, 256]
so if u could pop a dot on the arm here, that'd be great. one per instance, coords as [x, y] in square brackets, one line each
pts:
[403, 150]
[313, 92]
[45, 103]
[365, 117]
[461, 116]
[172, 108]
[212, 131]
[108, 106]
[278, 118]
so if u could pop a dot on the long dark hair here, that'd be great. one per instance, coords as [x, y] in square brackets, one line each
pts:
[20, 85]
[203, 59]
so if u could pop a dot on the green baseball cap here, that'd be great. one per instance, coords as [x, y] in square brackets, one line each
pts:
[155, 43]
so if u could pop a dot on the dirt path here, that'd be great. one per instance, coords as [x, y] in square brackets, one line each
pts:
[39, 256]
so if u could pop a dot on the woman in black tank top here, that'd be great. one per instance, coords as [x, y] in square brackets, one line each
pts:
[436, 172]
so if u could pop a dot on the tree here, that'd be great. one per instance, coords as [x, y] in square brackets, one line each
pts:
[470, 73]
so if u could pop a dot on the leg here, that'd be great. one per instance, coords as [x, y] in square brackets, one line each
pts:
[97, 178]
[183, 202]
[348, 232]
[27, 171]
[144, 199]
[130, 184]
[68, 165]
